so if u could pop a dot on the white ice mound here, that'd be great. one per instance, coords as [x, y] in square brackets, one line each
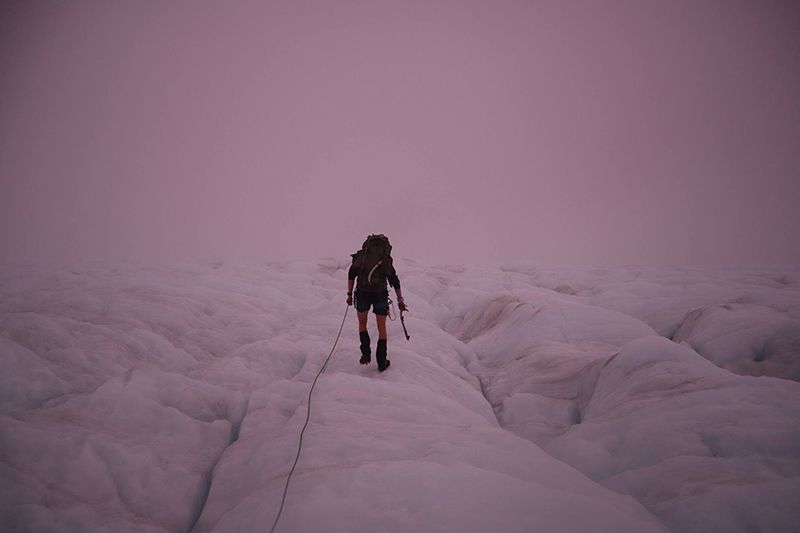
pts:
[745, 338]
[503, 326]
[705, 449]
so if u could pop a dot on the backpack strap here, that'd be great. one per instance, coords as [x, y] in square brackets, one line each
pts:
[369, 276]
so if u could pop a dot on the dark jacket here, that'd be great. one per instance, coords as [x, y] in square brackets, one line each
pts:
[387, 267]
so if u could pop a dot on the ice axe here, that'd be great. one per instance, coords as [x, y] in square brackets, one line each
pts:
[403, 322]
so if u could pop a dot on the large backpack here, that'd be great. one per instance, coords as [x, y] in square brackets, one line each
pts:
[373, 262]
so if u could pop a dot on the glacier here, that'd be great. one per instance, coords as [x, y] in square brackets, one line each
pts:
[161, 398]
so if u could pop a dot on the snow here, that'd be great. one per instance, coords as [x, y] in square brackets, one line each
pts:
[170, 398]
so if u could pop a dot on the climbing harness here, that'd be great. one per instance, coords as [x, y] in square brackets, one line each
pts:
[308, 416]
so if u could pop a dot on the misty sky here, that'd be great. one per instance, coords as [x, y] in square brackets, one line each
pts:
[607, 132]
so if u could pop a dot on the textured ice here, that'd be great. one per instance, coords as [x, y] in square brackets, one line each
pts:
[745, 338]
[171, 398]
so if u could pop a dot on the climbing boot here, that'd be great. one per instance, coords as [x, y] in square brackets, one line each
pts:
[380, 355]
[365, 349]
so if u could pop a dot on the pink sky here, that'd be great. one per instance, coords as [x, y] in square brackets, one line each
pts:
[639, 131]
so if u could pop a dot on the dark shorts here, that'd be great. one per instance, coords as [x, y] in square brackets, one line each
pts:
[379, 301]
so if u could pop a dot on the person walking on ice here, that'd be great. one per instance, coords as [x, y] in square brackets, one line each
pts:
[372, 270]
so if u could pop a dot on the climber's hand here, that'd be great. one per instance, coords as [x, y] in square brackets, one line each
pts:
[349, 299]
[402, 305]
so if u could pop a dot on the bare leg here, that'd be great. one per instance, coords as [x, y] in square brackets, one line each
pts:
[381, 326]
[362, 321]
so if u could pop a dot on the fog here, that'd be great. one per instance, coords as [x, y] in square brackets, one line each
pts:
[625, 132]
